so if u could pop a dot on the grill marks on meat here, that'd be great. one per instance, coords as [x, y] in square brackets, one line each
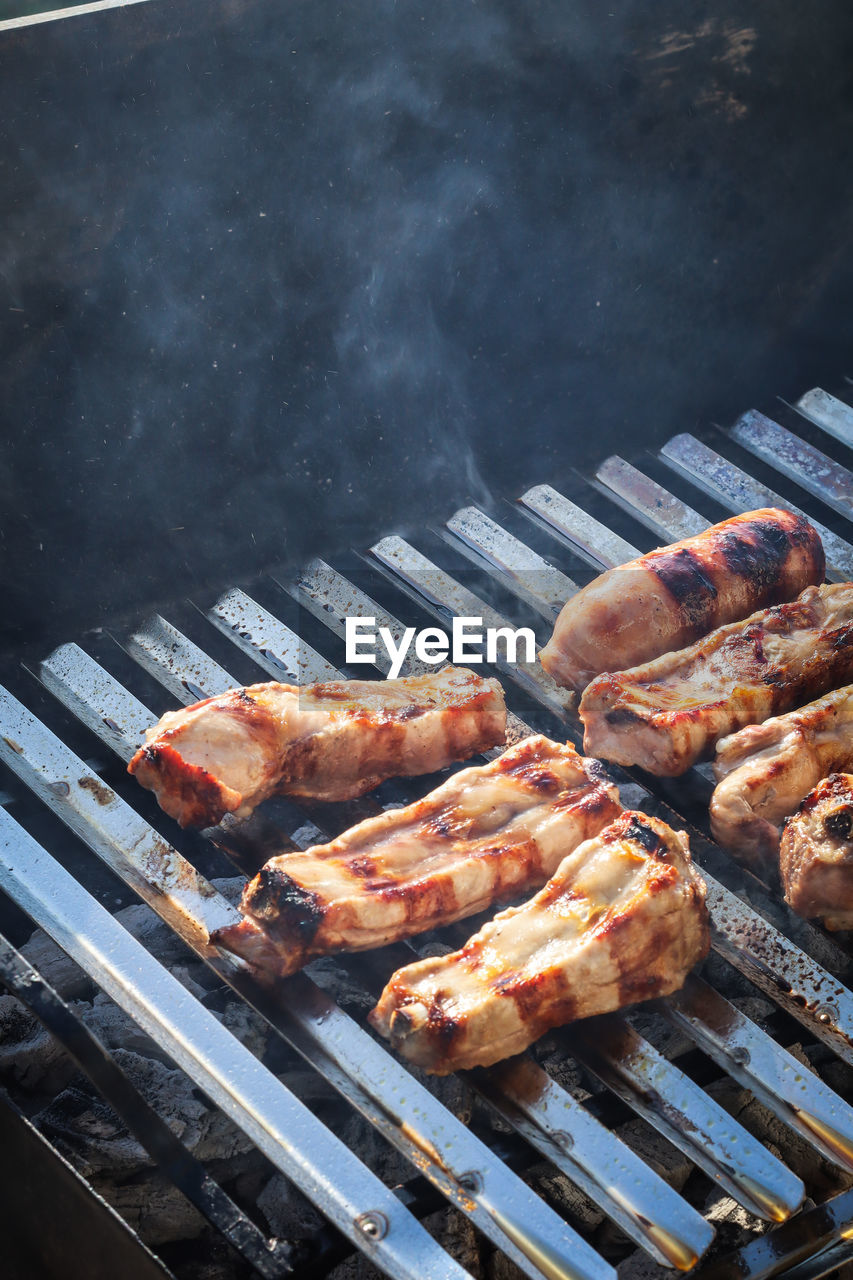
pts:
[672, 596]
[622, 919]
[816, 853]
[764, 771]
[487, 834]
[669, 713]
[331, 741]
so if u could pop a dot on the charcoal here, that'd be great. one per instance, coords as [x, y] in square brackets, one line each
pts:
[668, 1039]
[247, 1025]
[97, 1141]
[638, 1266]
[115, 1030]
[455, 1233]
[659, 1154]
[330, 976]
[571, 1202]
[734, 1225]
[289, 1214]
[839, 1076]
[29, 1056]
[358, 1135]
[755, 1007]
[500, 1267]
[355, 1268]
[562, 1068]
[154, 1209]
[730, 1095]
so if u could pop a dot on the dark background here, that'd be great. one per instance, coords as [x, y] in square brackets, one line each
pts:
[280, 278]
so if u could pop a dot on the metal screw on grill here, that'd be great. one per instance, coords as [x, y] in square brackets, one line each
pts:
[60, 788]
[564, 1138]
[373, 1224]
[740, 1055]
[827, 1012]
[471, 1181]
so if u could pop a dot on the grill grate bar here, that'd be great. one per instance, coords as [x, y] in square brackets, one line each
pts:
[85, 688]
[782, 970]
[526, 573]
[669, 1100]
[737, 491]
[280, 1126]
[165, 653]
[596, 543]
[829, 413]
[406, 1113]
[319, 582]
[646, 1208]
[784, 451]
[664, 514]
[269, 642]
[751, 943]
[775, 1076]
[448, 597]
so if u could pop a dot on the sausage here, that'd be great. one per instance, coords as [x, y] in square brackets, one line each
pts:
[673, 596]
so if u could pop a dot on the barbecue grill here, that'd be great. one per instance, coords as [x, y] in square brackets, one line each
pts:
[778, 960]
[147, 500]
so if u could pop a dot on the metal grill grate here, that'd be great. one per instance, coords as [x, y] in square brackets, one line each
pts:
[782, 962]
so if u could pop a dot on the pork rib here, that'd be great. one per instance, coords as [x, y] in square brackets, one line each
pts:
[487, 834]
[816, 853]
[765, 770]
[669, 713]
[329, 741]
[622, 919]
[672, 596]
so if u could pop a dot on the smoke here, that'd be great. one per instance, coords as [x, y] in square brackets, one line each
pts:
[276, 281]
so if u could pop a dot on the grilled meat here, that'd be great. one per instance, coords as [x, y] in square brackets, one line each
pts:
[669, 713]
[816, 853]
[672, 596]
[323, 742]
[485, 835]
[765, 770]
[622, 919]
